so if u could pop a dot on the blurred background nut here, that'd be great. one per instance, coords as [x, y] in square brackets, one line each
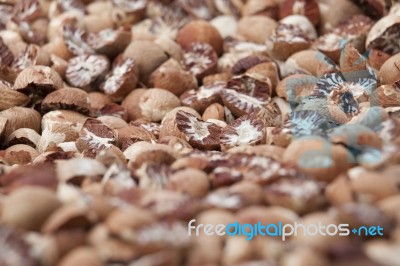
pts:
[303, 256]
[199, 31]
[82, 256]
[301, 196]
[173, 49]
[68, 217]
[383, 252]
[19, 211]
[225, 24]
[339, 191]
[123, 223]
[146, 55]
[235, 197]
[308, 8]
[75, 170]
[261, 7]
[362, 214]
[331, 13]
[237, 249]
[39, 174]
[256, 28]
[266, 215]
[318, 242]
[14, 241]
[141, 152]
[179, 145]
[189, 181]
[371, 186]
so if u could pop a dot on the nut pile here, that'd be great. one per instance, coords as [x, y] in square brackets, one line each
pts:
[122, 120]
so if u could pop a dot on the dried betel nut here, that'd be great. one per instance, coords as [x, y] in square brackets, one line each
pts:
[58, 127]
[146, 55]
[121, 80]
[39, 80]
[389, 71]
[68, 99]
[98, 100]
[199, 31]
[287, 40]
[20, 117]
[110, 42]
[144, 152]
[200, 59]
[256, 28]
[20, 154]
[246, 130]
[26, 136]
[130, 134]
[33, 55]
[168, 124]
[214, 111]
[152, 104]
[199, 134]
[95, 136]
[386, 96]
[172, 77]
[382, 33]
[113, 121]
[308, 8]
[199, 99]
[84, 70]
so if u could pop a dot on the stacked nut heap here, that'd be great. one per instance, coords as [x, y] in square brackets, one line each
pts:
[122, 120]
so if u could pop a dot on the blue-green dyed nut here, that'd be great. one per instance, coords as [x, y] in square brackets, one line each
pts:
[317, 104]
[355, 136]
[305, 123]
[372, 118]
[317, 157]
